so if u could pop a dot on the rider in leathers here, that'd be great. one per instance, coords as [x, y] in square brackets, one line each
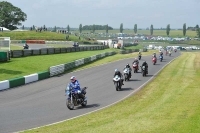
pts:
[76, 86]
[117, 72]
[146, 66]
[128, 66]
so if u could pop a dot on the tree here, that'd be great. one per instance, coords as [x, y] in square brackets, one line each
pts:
[121, 28]
[33, 27]
[184, 29]
[23, 27]
[44, 27]
[198, 32]
[168, 29]
[107, 29]
[135, 28]
[93, 28]
[68, 28]
[11, 16]
[80, 28]
[197, 27]
[151, 30]
[55, 29]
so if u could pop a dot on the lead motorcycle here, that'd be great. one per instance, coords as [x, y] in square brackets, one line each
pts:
[117, 82]
[74, 98]
[139, 56]
[127, 74]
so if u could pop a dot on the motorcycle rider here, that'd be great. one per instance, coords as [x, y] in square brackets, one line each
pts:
[76, 86]
[128, 66]
[146, 66]
[26, 46]
[154, 55]
[136, 60]
[117, 72]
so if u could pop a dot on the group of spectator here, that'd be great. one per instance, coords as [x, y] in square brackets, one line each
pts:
[63, 32]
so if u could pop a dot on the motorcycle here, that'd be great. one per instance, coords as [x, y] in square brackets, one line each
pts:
[175, 50]
[135, 67]
[139, 57]
[170, 53]
[26, 47]
[154, 60]
[161, 58]
[127, 74]
[74, 98]
[144, 72]
[117, 82]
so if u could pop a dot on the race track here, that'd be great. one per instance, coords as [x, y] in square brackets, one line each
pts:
[43, 102]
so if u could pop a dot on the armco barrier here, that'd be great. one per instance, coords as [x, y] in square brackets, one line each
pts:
[17, 82]
[63, 50]
[16, 53]
[36, 52]
[27, 52]
[50, 50]
[4, 85]
[31, 78]
[43, 51]
[43, 75]
[57, 50]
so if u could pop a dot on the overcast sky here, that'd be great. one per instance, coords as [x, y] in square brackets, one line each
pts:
[112, 12]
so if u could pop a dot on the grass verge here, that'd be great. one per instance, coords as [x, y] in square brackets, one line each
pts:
[168, 104]
[32, 64]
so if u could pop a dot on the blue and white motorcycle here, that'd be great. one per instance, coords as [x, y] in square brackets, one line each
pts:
[75, 98]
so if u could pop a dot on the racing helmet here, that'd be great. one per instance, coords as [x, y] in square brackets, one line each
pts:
[73, 78]
[116, 70]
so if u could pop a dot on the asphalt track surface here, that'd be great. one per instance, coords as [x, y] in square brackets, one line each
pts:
[43, 102]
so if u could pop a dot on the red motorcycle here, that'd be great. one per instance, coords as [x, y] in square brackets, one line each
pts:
[154, 60]
[135, 67]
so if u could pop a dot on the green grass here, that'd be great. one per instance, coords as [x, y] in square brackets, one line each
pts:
[170, 103]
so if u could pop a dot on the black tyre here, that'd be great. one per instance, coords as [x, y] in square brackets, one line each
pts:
[70, 105]
[116, 86]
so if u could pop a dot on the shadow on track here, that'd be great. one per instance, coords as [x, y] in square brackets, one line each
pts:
[88, 106]
[126, 89]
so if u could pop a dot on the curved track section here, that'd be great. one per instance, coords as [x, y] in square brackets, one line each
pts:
[43, 102]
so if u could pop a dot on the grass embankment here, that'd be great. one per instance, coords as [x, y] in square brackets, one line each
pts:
[32, 35]
[32, 64]
[168, 104]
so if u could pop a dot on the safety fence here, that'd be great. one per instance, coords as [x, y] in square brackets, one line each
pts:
[45, 51]
[53, 70]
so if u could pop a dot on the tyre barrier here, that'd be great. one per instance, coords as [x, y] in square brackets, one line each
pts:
[59, 69]
[14, 82]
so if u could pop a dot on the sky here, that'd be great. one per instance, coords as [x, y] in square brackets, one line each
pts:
[61, 13]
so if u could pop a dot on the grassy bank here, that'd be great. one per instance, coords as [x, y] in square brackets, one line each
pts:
[32, 35]
[168, 104]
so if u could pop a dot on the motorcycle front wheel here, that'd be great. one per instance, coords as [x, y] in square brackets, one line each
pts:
[70, 104]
